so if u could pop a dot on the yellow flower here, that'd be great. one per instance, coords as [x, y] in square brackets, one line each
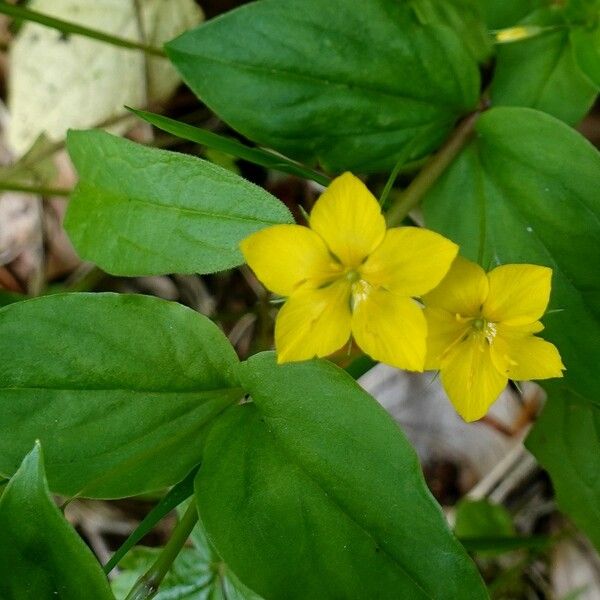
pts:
[481, 332]
[346, 275]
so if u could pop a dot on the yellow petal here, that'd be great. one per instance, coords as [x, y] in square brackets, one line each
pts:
[285, 257]
[470, 378]
[390, 328]
[313, 322]
[526, 357]
[443, 331]
[410, 261]
[462, 291]
[518, 294]
[348, 217]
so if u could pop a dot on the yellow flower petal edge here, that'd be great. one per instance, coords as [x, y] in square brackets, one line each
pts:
[348, 218]
[285, 257]
[410, 260]
[346, 274]
[313, 322]
[481, 332]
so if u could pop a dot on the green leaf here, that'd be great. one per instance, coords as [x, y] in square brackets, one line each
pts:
[119, 389]
[506, 13]
[143, 211]
[41, 556]
[586, 51]
[566, 441]
[481, 518]
[312, 491]
[380, 80]
[540, 72]
[232, 147]
[171, 500]
[197, 574]
[508, 198]
[465, 17]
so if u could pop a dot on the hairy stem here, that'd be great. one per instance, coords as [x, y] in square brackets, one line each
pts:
[432, 171]
[24, 14]
[147, 585]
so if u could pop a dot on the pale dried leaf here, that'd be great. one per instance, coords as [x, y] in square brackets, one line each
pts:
[59, 81]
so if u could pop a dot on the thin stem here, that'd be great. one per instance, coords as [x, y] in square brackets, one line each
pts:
[24, 14]
[432, 170]
[9, 186]
[147, 585]
[390, 182]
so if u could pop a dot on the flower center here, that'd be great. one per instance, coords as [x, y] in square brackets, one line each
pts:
[353, 276]
[484, 328]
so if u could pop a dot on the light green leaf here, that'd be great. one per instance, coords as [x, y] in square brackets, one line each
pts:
[508, 198]
[380, 80]
[312, 491]
[119, 389]
[41, 556]
[143, 211]
[540, 72]
[566, 441]
[60, 81]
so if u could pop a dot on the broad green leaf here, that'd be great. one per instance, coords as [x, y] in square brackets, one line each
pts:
[118, 388]
[509, 198]
[379, 80]
[566, 441]
[540, 72]
[59, 81]
[143, 211]
[312, 491]
[41, 556]
[586, 50]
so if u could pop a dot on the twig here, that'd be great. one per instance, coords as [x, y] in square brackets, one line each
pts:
[24, 14]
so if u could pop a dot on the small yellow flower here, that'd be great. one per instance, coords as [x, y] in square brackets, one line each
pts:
[481, 332]
[346, 275]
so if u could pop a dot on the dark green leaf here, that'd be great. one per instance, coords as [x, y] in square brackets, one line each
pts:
[10, 297]
[492, 546]
[312, 491]
[499, 14]
[540, 72]
[566, 441]
[143, 211]
[586, 50]
[465, 17]
[258, 156]
[509, 198]
[41, 556]
[118, 388]
[380, 80]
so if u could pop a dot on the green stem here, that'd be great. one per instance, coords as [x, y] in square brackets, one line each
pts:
[25, 14]
[8, 186]
[431, 172]
[147, 585]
